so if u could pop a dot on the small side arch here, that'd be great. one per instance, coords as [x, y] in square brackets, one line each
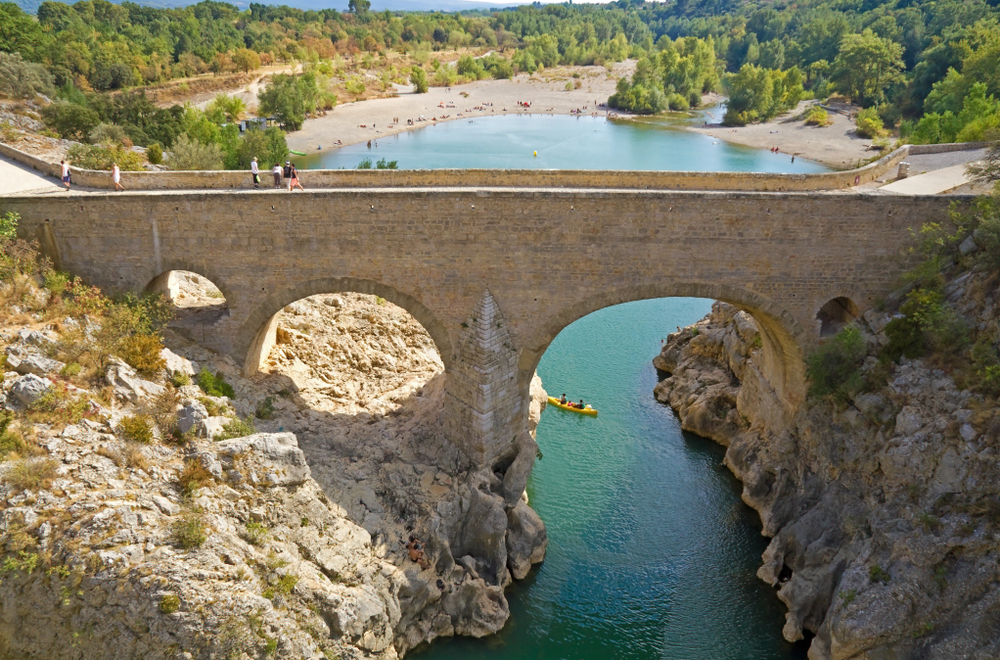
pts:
[835, 314]
[158, 282]
[783, 338]
[256, 336]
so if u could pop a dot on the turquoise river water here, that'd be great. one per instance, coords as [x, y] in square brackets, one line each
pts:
[562, 142]
[652, 555]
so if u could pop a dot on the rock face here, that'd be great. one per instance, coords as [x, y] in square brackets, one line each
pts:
[883, 511]
[305, 521]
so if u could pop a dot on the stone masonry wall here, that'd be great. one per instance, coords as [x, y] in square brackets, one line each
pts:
[547, 257]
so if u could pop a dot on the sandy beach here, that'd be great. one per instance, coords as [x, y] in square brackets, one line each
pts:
[351, 123]
[836, 145]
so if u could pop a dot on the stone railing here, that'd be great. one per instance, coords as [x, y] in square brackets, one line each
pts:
[444, 178]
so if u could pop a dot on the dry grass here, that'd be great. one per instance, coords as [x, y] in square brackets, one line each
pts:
[192, 477]
[31, 473]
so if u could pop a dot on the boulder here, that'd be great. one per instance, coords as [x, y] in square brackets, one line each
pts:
[29, 388]
[282, 462]
[190, 415]
[527, 540]
[34, 363]
[129, 387]
[210, 427]
[176, 364]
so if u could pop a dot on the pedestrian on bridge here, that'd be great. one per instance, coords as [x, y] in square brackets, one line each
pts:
[255, 172]
[116, 176]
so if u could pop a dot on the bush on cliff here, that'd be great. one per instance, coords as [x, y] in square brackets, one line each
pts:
[835, 368]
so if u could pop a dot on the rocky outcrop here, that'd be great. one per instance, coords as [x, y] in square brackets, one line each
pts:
[287, 542]
[883, 509]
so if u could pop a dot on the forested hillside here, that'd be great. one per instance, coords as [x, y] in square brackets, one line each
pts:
[927, 67]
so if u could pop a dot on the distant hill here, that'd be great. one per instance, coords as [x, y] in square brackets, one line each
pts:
[31, 6]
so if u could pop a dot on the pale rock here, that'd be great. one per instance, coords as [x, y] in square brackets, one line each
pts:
[284, 462]
[526, 540]
[165, 505]
[29, 388]
[968, 246]
[968, 432]
[129, 387]
[176, 364]
[33, 363]
[909, 420]
[210, 427]
[190, 415]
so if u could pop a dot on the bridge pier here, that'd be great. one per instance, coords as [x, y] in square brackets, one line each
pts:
[485, 410]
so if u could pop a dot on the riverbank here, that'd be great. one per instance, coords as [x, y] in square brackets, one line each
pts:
[545, 93]
[836, 145]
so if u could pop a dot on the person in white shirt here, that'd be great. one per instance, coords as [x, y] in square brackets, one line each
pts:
[116, 176]
[276, 173]
[255, 172]
[65, 174]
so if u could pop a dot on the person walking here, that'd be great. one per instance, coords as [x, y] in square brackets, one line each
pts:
[255, 172]
[65, 173]
[293, 179]
[116, 176]
[276, 173]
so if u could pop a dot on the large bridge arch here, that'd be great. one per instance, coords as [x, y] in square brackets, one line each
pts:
[784, 339]
[256, 335]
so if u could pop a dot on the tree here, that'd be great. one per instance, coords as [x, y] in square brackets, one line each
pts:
[188, 154]
[359, 6]
[20, 33]
[70, 120]
[246, 60]
[866, 65]
[268, 146]
[289, 99]
[418, 77]
[22, 80]
[226, 108]
[987, 171]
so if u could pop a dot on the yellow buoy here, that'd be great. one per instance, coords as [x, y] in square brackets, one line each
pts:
[536, 153]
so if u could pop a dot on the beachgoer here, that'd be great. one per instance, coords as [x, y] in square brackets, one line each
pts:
[415, 550]
[369, 144]
[293, 179]
[581, 405]
[276, 173]
[116, 176]
[793, 159]
[255, 172]
[65, 173]
[563, 399]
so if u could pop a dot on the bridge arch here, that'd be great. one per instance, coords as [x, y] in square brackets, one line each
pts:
[256, 336]
[783, 338]
[157, 280]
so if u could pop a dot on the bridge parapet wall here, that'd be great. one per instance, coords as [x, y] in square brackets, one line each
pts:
[596, 179]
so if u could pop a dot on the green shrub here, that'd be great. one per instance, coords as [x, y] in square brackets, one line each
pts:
[265, 409]
[58, 406]
[878, 574]
[905, 339]
[189, 530]
[817, 116]
[142, 353]
[835, 368]
[100, 157]
[136, 428]
[10, 442]
[255, 533]
[869, 123]
[238, 428]
[56, 281]
[179, 379]
[154, 153]
[214, 385]
[170, 603]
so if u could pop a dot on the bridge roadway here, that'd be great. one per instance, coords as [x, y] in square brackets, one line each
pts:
[495, 273]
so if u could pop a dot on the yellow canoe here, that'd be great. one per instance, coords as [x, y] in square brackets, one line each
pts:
[586, 411]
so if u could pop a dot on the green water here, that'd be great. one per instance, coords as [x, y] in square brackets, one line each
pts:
[651, 555]
[562, 142]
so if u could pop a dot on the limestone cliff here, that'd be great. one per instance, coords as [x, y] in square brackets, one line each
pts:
[285, 541]
[884, 511]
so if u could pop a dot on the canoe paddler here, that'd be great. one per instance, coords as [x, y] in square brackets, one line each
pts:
[563, 399]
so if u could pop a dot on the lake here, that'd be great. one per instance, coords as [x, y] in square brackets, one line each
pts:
[562, 142]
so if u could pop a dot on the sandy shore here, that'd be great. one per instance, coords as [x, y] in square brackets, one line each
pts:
[836, 145]
[351, 123]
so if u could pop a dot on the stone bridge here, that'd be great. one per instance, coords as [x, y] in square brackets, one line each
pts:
[495, 273]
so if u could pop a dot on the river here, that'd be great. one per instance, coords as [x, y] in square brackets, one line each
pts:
[652, 555]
